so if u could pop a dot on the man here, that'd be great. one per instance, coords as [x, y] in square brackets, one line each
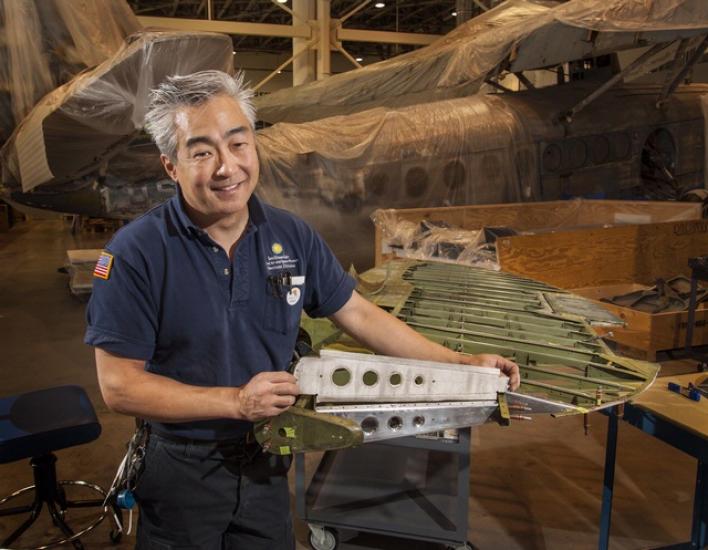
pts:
[194, 317]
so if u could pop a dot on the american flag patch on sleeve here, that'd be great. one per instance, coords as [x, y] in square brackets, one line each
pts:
[103, 266]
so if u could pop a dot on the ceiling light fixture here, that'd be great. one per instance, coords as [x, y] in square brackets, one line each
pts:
[454, 14]
[379, 5]
[359, 59]
[282, 1]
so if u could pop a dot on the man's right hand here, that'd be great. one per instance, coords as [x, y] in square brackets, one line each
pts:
[267, 394]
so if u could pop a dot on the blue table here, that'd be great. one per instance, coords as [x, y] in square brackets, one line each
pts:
[676, 420]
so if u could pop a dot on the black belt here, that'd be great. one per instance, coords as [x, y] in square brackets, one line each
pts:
[243, 441]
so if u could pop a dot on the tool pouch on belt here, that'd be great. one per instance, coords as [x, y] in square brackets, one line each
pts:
[135, 455]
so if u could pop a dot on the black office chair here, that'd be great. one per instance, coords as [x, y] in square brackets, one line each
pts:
[34, 424]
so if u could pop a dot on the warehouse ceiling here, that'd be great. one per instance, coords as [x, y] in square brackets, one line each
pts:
[416, 16]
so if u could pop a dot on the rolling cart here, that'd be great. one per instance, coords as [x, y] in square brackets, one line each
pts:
[413, 487]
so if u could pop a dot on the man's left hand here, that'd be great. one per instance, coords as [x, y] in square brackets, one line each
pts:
[507, 367]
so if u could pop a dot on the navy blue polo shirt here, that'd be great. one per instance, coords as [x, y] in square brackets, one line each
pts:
[173, 298]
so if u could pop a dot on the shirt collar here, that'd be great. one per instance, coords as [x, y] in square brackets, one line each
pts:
[256, 213]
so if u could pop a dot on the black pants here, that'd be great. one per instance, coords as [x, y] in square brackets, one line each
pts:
[213, 497]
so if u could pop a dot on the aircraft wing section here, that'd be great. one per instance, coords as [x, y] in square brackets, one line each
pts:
[350, 397]
[518, 35]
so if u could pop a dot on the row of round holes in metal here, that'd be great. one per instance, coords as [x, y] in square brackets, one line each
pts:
[370, 424]
[342, 377]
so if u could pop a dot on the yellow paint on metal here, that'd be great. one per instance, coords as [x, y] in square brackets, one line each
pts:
[503, 409]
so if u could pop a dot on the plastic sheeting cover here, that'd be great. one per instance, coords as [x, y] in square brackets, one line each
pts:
[633, 15]
[429, 239]
[458, 63]
[85, 122]
[48, 42]
[401, 157]
[335, 172]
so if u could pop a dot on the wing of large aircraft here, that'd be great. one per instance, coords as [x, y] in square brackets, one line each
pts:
[516, 36]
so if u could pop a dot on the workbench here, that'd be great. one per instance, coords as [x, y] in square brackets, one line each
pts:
[676, 420]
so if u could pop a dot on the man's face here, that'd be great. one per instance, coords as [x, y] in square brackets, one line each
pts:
[217, 164]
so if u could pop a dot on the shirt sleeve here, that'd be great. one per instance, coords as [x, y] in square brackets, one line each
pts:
[328, 287]
[121, 315]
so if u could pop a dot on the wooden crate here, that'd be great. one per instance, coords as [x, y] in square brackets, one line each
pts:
[647, 333]
[599, 247]
[607, 255]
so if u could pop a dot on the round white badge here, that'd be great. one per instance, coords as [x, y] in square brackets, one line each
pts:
[293, 296]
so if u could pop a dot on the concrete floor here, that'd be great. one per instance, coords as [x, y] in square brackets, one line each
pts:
[534, 485]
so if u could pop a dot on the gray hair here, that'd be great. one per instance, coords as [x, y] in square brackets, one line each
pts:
[191, 90]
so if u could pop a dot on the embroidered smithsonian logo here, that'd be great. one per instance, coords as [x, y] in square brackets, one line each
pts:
[103, 266]
[277, 248]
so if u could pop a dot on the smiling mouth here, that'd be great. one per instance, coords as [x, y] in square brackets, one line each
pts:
[227, 188]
